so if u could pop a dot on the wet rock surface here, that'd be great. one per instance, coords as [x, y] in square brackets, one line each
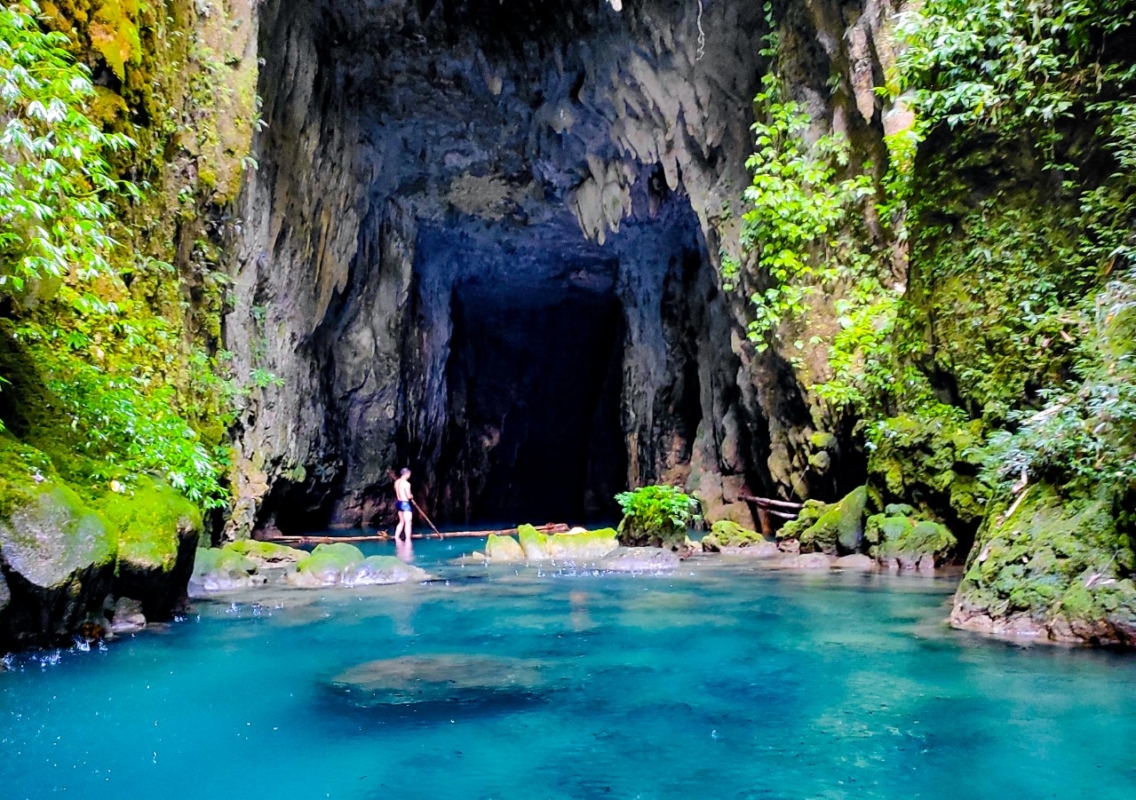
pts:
[58, 564]
[639, 559]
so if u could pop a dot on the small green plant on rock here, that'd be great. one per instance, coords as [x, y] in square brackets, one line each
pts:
[656, 516]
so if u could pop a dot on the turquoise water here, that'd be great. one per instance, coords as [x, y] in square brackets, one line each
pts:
[718, 681]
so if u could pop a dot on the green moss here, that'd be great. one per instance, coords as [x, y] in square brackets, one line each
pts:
[149, 520]
[929, 460]
[267, 552]
[841, 527]
[810, 512]
[727, 533]
[221, 561]
[1053, 557]
[503, 549]
[337, 556]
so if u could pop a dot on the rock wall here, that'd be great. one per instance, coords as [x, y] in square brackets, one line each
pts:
[416, 149]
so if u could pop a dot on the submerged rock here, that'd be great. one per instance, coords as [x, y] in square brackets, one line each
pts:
[381, 571]
[59, 565]
[807, 561]
[760, 549]
[438, 679]
[639, 559]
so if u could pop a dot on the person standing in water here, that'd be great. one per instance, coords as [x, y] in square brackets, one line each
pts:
[403, 497]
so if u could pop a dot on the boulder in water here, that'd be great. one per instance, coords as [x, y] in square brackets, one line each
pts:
[59, 564]
[762, 549]
[807, 561]
[728, 534]
[855, 562]
[504, 550]
[126, 616]
[639, 559]
[221, 570]
[328, 565]
[267, 554]
[381, 571]
[576, 545]
[157, 531]
[456, 678]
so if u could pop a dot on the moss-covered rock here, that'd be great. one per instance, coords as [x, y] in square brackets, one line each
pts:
[157, 531]
[218, 569]
[901, 542]
[1056, 567]
[810, 512]
[533, 543]
[581, 545]
[328, 565]
[267, 554]
[58, 559]
[729, 534]
[840, 529]
[503, 550]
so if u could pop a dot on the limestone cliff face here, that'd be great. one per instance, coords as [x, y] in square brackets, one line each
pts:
[448, 189]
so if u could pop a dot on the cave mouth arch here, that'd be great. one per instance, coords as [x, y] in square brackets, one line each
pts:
[487, 262]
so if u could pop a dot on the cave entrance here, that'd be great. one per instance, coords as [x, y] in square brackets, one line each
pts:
[535, 380]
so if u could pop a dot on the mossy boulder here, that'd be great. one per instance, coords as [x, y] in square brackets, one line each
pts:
[533, 543]
[58, 562]
[901, 542]
[328, 565]
[267, 554]
[1057, 567]
[504, 550]
[840, 528]
[217, 569]
[810, 512]
[157, 531]
[726, 533]
[581, 545]
[577, 544]
[381, 571]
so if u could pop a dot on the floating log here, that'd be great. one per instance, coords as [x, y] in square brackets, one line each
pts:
[295, 541]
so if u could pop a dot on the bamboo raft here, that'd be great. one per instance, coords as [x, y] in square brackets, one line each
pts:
[383, 536]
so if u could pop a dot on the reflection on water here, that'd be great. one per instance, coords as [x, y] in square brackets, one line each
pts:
[717, 681]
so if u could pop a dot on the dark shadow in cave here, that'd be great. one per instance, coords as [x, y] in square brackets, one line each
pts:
[535, 381]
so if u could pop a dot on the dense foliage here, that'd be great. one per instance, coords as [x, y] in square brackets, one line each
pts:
[658, 515]
[81, 304]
